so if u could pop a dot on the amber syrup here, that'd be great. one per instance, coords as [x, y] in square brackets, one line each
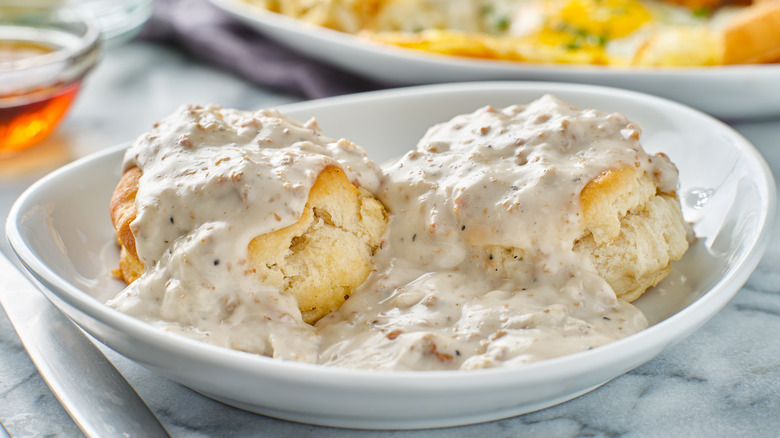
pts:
[33, 114]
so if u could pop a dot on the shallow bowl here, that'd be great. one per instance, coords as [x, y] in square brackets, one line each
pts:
[60, 230]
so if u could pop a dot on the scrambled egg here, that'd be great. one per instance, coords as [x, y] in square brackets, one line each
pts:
[618, 32]
[602, 32]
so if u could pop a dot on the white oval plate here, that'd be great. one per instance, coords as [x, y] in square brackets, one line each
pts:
[60, 229]
[730, 92]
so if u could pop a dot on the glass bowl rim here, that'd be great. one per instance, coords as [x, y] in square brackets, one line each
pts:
[87, 40]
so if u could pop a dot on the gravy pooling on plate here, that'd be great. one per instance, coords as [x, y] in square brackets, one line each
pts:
[479, 266]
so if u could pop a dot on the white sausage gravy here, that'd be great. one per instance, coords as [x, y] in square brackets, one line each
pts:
[476, 269]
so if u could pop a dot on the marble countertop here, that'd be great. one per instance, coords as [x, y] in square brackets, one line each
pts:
[724, 380]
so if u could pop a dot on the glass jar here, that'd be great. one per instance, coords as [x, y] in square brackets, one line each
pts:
[44, 57]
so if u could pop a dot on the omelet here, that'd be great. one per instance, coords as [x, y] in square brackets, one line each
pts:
[601, 32]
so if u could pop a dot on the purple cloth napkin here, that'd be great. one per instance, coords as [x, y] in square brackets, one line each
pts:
[211, 35]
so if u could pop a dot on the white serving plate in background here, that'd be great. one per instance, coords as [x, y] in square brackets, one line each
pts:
[729, 92]
[61, 231]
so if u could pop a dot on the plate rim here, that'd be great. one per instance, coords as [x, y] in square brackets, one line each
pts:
[389, 65]
[243, 9]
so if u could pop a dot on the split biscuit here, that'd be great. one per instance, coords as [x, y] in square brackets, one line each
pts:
[319, 259]
[326, 254]
[631, 234]
[632, 231]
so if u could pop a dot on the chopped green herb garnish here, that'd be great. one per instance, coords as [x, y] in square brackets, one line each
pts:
[502, 23]
[702, 12]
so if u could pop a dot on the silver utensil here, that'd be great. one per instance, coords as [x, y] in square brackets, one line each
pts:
[4, 432]
[94, 393]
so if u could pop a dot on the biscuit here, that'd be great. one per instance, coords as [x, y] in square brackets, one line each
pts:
[326, 254]
[319, 259]
[632, 232]
[123, 212]
[753, 36]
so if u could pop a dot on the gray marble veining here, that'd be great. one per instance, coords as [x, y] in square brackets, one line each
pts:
[724, 380]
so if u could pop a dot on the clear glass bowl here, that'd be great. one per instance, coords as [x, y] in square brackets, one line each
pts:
[117, 20]
[44, 56]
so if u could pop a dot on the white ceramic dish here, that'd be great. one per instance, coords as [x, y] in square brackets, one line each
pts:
[732, 92]
[59, 228]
